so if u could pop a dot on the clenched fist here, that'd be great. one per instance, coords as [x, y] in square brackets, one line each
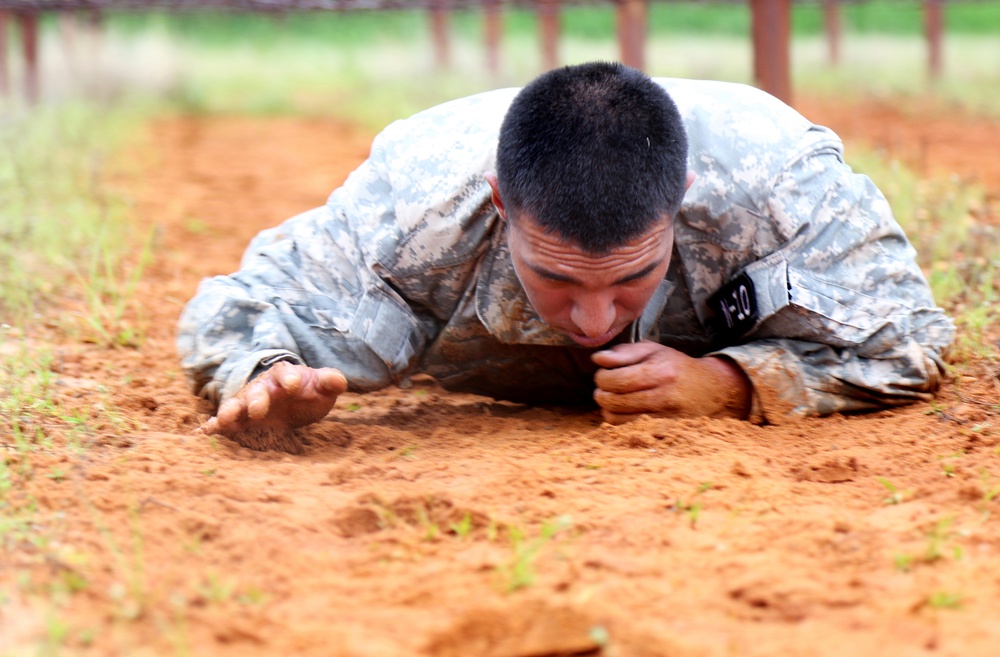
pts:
[647, 377]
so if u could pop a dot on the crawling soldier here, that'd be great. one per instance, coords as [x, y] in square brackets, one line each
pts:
[669, 247]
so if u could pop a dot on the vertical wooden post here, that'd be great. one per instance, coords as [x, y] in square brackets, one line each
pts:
[632, 32]
[4, 69]
[548, 19]
[492, 28]
[771, 44]
[95, 33]
[439, 34]
[29, 42]
[832, 22]
[68, 38]
[933, 28]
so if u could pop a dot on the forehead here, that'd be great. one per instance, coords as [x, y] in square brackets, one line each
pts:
[532, 242]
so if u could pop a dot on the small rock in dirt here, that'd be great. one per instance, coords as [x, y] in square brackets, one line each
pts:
[831, 471]
[356, 521]
[527, 629]
[740, 470]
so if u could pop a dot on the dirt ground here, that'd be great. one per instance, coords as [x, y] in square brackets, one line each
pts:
[425, 523]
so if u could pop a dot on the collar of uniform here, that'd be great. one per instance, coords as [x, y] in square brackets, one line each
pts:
[649, 321]
[504, 309]
[503, 306]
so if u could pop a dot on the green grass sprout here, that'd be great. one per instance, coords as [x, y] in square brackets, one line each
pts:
[520, 572]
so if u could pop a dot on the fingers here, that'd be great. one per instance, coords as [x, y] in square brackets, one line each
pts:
[290, 380]
[285, 380]
[286, 396]
[619, 418]
[631, 378]
[258, 402]
[331, 381]
[636, 367]
[208, 427]
[634, 403]
[625, 354]
[231, 416]
[301, 381]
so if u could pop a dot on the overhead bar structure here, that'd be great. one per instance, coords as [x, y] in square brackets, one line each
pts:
[770, 29]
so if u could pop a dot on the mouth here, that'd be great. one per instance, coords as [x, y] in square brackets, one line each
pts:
[589, 342]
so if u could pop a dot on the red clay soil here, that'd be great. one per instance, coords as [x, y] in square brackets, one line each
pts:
[425, 523]
[930, 137]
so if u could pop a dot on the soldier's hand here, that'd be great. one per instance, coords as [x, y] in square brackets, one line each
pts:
[283, 398]
[647, 377]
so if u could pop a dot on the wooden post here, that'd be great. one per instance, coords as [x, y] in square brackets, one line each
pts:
[632, 32]
[493, 28]
[933, 27]
[771, 43]
[68, 27]
[4, 70]
[831, 16]
[29, 42]
[95, 34]
[439, 34]
[548, 19]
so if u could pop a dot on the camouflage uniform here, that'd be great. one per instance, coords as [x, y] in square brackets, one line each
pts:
[784, 260]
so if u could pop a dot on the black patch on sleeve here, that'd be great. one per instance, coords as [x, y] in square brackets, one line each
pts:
[735, 306]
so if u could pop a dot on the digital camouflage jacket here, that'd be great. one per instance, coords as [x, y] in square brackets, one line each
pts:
[784, 260]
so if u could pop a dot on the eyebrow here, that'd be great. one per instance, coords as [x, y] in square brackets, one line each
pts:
[562, 278]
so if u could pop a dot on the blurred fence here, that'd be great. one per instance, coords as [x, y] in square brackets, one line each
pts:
[770, 28]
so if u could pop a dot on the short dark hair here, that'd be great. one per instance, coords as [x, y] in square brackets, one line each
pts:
[595, 153]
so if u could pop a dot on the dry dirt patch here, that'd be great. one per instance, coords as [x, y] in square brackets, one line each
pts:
[425, 523]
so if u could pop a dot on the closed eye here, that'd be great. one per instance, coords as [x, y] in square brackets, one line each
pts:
[642, 273]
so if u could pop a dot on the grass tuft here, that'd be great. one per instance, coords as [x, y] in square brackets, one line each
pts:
[67, 241]
[520, 571]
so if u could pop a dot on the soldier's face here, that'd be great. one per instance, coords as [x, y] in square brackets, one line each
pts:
[590, 298]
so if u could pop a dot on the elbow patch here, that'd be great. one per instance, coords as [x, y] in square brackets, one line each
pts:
[389, 329]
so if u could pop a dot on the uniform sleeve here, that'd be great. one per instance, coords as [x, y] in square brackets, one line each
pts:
[307, 293]
[847, 321]
[364, 283]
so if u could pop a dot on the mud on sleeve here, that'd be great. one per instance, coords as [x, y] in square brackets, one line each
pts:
[847, 319]
[302, 295]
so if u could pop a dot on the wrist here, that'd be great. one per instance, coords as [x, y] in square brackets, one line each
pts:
[270, 362]
[737, 390]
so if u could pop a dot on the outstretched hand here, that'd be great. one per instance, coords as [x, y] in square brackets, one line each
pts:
[264, 412]
[647, 377]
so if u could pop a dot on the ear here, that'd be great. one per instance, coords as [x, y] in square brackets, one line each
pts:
[690, 179]
[491, 178]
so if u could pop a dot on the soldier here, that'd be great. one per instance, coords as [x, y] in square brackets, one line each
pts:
[673, 247]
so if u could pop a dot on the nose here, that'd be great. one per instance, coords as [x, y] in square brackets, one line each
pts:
[593, 314]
